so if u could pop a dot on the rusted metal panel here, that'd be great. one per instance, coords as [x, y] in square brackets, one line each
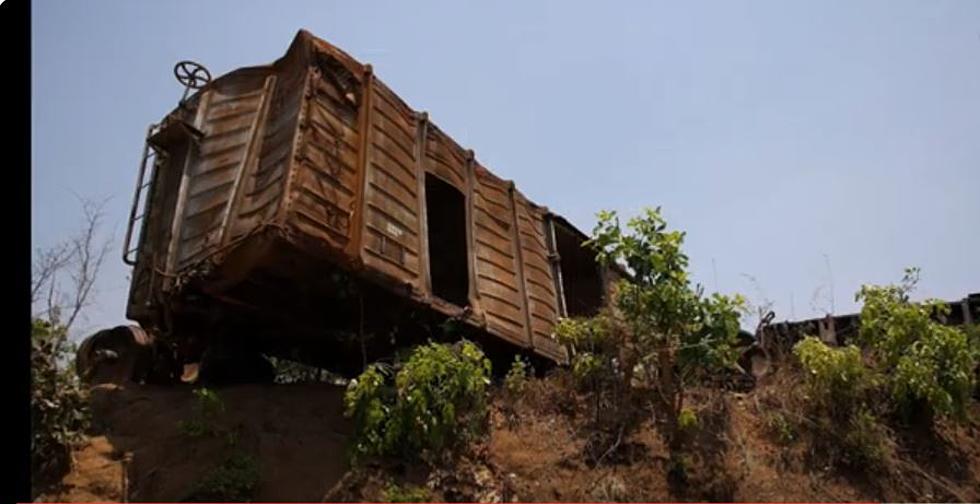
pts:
[263, 188]
[187, 169]
[445, 158]
[496, 260]
[230, 120]
[391, 201]
[324, 187]
[539, 282]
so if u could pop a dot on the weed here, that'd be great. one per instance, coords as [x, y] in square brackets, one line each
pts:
[236, 479]
[687, 420]
[208, 408]
[865, 442]
[781, 427]
[516, 380]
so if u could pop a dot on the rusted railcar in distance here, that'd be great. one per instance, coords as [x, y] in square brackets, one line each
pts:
[272, 189]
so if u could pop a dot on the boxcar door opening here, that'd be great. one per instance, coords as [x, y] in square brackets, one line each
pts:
[580, 275]
[446, 221]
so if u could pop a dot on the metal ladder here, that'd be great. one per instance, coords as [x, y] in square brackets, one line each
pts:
[151, 156]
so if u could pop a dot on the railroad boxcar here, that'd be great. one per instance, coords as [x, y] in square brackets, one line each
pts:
[298, 206]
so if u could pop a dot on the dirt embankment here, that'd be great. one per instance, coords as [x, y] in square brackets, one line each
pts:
[534, 452]
[144, 451]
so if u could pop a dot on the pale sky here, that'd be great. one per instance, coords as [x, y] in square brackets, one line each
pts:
[794, 141]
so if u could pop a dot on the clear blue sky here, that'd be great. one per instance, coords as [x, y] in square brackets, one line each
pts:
[782, 136]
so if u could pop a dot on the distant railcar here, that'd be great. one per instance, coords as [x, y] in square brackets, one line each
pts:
[270, 185]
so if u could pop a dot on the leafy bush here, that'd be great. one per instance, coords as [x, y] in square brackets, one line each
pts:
[928, 364]
[59, 410]
[438, 400]
[973, 337]
[235, 480]
[837, 378]
[406, 493]
[839, 385]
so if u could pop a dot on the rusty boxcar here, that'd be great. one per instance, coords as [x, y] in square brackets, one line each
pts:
[268, 189]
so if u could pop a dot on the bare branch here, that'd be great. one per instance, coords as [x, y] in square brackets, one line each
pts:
[830, 275]
[47, 262]
[764, 305]
[89, 258]
[52, 313]
[81, 256]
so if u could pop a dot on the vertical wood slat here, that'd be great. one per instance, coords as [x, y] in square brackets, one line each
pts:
[519, 260]
[354, 247]
[184, 182]
[474, 293]
[285, 200]
[555, 260]
[255, 133]
[423, 215]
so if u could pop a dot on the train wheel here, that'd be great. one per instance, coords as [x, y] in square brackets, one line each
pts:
[119, 355]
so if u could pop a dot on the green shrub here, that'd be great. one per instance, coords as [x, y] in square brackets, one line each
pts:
[839, 385]
[935, 370]
[406, 493]
[438, 400]
[235, 480]
[59, 409]
[973, 338]
[864, 442]
[837, 378]
[927, 364]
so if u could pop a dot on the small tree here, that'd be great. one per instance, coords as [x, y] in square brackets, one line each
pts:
[676, 333]
[63, 277]
[929, 365]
